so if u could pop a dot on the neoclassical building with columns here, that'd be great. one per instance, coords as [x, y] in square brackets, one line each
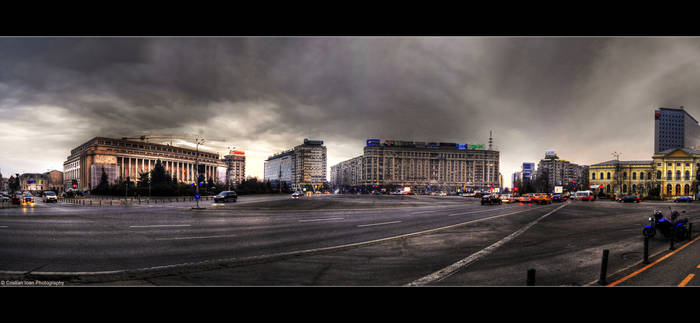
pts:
[674, 172]
[123, 158]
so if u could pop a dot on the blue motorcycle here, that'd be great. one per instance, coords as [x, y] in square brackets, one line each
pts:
[667, 226]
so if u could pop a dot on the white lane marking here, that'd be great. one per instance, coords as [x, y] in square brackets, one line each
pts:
[382, 223]
[160, 226]
[426, 212]
[463, 213]
[3, 226]
[451, 269]
[207, 237]
[324, 219]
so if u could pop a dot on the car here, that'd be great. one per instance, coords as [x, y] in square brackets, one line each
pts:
[297, 195]
[507, 198]
[27, 199]
[684, 199]
[490, 199]
[525, 199]
[629, 199]
[50, 196]
[558, 198]
[226, 196]
[542, 199]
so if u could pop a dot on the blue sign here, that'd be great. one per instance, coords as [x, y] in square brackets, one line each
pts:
[372, 142]
[462, 146]
[196, 196]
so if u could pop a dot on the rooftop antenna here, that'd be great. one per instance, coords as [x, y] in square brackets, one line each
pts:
[490, 140]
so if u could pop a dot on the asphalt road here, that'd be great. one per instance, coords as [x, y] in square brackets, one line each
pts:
[336, 241]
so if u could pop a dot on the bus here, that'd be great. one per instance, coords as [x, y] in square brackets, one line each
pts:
[585, 196]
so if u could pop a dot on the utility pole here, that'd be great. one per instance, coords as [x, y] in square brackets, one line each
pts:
[617, 173]
[196, 166]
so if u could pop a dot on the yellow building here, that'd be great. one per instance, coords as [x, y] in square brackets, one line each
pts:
[678, 170]
[617, 177]
[674, 172]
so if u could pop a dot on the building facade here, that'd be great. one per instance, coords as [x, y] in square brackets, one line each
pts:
[552, 171]
[347, 174]
[130, 158]
[673, 173]
[618, 177]
[423, 166]
[235, 167]
[675, 128]
[303, 165]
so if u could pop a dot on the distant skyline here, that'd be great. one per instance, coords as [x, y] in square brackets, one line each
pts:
[583, 97]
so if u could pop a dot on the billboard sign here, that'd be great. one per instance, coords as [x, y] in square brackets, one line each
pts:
[372, 142]
[462, 146]
[476, 146]
[558, 189]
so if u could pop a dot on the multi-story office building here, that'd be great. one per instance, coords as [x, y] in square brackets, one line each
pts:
[425, 166]
[527, 170]
[552, 171]
[347, 174]
[517, 178]
[675, 128]
[124, 159]
[303, 165]
[235, 167]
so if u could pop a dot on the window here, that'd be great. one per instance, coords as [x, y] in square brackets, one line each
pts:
[678, 189]
[669, 189]
[686, 189]
[669, 175]
[624, 175]
[641, 176]
[634, 176]
[608, 175]
[687, 175]
[624, 188]
[678, 175]
[658, 174]
[592, 175]
[687, 164]
[678, 164]
[601, 175]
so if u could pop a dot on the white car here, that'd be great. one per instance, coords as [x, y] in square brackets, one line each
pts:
[50, 196]
[297, 195]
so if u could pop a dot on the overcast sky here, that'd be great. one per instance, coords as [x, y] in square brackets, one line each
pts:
[582, 97]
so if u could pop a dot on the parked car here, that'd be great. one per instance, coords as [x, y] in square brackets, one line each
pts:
[684, 199]
[629, 199]
[4, 197]
[50, 196]
[297, 195]
[490, 199]
[226, 196]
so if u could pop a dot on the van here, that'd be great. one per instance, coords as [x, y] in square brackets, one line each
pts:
[585, 196]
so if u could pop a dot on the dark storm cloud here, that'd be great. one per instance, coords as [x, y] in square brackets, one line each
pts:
[534, 93]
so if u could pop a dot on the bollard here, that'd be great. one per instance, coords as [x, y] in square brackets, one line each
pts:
[604, 268]
[530, 277]
[673, 237]
[646, 250]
